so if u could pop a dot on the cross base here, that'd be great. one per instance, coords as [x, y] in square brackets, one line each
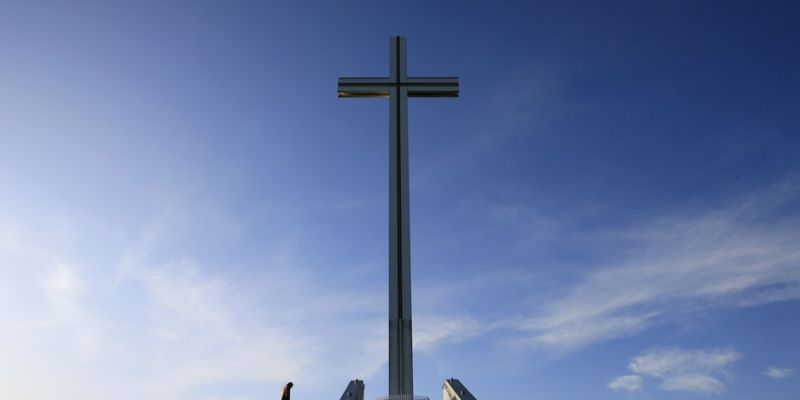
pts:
[403, 397]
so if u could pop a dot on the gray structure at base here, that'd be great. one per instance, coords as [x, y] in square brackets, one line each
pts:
[453, 389]
[354, 391]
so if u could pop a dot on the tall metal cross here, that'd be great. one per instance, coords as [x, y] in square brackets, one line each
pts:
[398, 87]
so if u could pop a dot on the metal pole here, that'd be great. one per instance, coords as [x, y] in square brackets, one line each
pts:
[401, 379]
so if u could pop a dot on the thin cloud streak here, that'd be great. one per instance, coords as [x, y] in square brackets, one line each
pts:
[662, 363]
[628, 383]
[778, 372]
[433, 330]
[679, 370]
[692, 383]
[728, 258]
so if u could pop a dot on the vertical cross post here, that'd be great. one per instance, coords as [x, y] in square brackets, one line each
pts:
[401, 378]
[398, 87]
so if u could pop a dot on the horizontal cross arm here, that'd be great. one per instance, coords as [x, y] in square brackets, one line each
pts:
[417, 87]
[364, 87]
[446, 81]
[432, 87]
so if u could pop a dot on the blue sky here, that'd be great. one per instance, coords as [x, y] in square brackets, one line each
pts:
[609, 210]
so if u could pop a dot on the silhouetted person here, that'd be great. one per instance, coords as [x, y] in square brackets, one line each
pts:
[286, 395]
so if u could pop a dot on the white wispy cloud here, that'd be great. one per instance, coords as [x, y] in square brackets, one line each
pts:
[670, 362]
[165, 326]
[693, 383]
[734, 257]
[778, 372]
[629, 383]
[210, 329]
[62, 286]
[432, 330]
[680, 370]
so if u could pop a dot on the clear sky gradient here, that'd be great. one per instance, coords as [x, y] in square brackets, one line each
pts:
[609, 211]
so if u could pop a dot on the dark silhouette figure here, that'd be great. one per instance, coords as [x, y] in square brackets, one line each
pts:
[286, 395]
